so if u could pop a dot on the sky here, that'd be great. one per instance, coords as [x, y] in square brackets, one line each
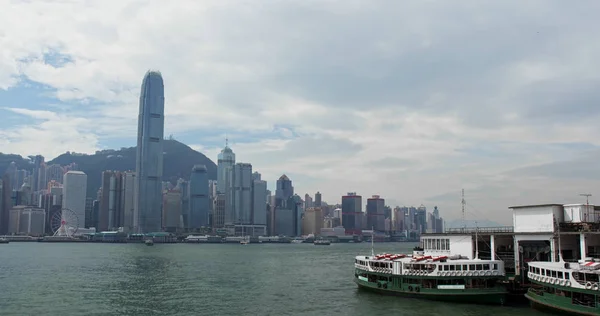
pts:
[410, 100]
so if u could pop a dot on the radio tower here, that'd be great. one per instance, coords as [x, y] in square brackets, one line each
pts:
[587, 197]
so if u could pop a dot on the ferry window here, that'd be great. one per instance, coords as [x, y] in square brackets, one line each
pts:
[438, 243]
[560, 275]
[458, 267]
[486, 266]
[472, 267]
[447, 244]
[495, 266]
[465, 267]
[543, 272]
[452, 267]
[554, 274]
[446, 267]
[479, 267]
[567, 275]
[443, 246]
[537, 270]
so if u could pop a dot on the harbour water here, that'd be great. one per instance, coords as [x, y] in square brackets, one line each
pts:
[202, 279]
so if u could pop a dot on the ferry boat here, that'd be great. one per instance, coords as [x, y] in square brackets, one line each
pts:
[445, 278]
[149, 242]
[4, 241]
[322, 242]
[565, 287]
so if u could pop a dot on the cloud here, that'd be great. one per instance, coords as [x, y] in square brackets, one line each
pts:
[412, 100]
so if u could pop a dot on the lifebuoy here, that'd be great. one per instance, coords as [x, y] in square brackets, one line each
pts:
[568, 283]
[410, 288]
[379, 285]
[488, 273]
[588, 285]
[595, 286]
[385, 285]
[470, 273]
[417, 289]
[495, 272]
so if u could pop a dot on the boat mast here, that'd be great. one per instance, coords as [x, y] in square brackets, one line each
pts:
[463, 210]
[372, 238]
[476, 242]
[557, 226]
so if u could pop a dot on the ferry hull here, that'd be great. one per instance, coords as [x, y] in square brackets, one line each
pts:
[456, 296]
[553, 304]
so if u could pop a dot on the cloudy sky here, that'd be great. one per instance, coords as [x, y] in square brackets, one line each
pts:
[412, 100]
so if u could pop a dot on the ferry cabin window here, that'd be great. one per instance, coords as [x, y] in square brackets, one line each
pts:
[543, 272]
[438, 243]
[486, 266]
[447, 244]
[554, 274]
[472, 267]
[567, 275]
[465, 267]
[479, 267]
[495, 266]
[560, 275]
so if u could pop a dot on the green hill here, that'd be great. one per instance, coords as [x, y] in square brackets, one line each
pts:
[178, 162]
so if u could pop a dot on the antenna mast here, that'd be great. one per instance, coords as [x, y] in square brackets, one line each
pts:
[463, 210]
[587, 198]
[372, 238]
[476, 241]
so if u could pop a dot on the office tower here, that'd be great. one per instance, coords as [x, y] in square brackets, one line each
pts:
[5, 203]
[259, 200]
[313, 221]
[172, 211]
[317, 199]
[225, 161]
[127, 201]
[219, 213]
[198, 216]
[149, 156]
[242, 195]
[37, 164]
[54, 172]
[352, 213]
[308, 201]
[74, 193]
[375, 213]
[184, 187]
[421, 219]
[284, 191]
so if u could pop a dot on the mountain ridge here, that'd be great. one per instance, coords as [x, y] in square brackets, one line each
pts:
[178, 162]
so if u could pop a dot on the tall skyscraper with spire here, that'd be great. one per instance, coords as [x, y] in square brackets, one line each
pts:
[149, 157]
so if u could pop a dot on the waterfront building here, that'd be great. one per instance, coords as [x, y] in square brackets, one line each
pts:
[375, 213]
[198, 215]
[172, 218]
[5, 203]
[149, 155]
[313, 221]
[352, 214]
[74, 194]
[284, 191]
[27, 220]
[259, 200]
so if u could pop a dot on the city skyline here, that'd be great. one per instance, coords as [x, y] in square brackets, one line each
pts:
[501, 104]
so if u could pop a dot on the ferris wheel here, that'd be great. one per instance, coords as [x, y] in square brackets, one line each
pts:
[64, 223]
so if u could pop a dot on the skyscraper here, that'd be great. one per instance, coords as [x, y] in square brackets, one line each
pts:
[198, 215]
[317, 199]
[225, 160]
[149, 157]
[375, 213]
[74, 193]
[352, 213]
[259, 200]
[284, 191]
[242, 195]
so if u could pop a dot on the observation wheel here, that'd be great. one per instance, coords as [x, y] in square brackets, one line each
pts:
[64, 223]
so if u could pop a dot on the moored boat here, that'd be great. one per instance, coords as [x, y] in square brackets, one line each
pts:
[4, 241]
[565, 287]
[322, 242]
[149, 242]
[445, 278]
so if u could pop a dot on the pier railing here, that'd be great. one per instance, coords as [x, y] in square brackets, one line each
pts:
[481, 230]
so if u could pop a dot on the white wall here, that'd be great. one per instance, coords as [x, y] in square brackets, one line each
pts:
[577, 213]
[536, 219]
[459, 245]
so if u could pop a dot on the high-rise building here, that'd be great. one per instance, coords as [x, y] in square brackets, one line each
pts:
[125, 218]
[375, 213]
[308, 201]
[284, 191]
[242, 193]
[198, 216]
[313, 221]
[74, 193]
[38, 161]
[172, 221]
[259, 200]
[149, 156]
[317, 199]
[54, 172]
[184, 187]
[352, 213]
[5, 203]
[219, 211]
[225, 161]
[421, 219]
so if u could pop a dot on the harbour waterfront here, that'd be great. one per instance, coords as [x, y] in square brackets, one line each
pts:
[206, 279]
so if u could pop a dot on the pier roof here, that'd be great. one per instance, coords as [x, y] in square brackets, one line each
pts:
[533, 205]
